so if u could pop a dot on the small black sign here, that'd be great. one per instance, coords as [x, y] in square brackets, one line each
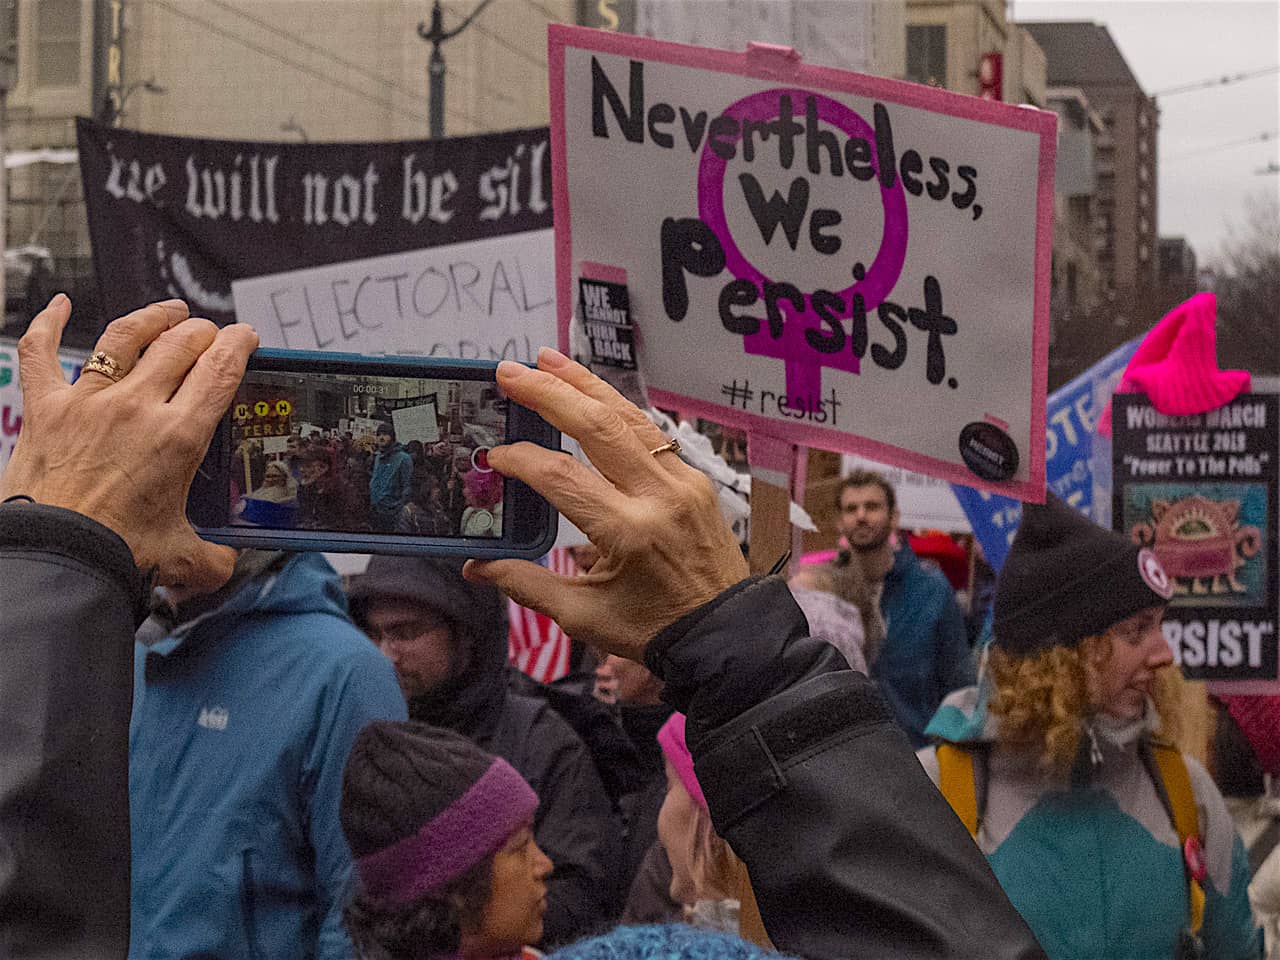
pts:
[988, 451]
[606, 317]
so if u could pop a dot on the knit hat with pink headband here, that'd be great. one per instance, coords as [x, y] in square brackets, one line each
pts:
[422, 805]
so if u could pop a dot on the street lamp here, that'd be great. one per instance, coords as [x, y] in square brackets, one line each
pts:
[113, 110]
[436, 34]
[292, 126]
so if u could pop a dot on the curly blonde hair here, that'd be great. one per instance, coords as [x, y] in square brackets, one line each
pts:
[1043, 701]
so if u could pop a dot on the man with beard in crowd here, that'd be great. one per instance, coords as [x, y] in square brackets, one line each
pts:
[925, 653]
[325, 501]
[447, 639]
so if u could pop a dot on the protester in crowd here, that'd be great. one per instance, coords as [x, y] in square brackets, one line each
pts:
[246, 702]
[483, 492]
[391, 480]
[664, 942]
[704, 872]
[414, 449]
[643, 869]
[248, 453]
[1246, 766]
[442, 833]
[425, 515]
[872, 865]
[277, 485]
[275, 502]
[925, 654]
[447, 639]
[1056, 765]
[454, 497]
[848, 583]
[325, 500]
[834, 620]
[293, 451]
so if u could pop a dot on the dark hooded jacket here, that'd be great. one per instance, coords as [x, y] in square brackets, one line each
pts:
[574, 824]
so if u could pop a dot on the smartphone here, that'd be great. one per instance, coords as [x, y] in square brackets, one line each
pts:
[346, 453]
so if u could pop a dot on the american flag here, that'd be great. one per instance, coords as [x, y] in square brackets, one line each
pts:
[536, 644]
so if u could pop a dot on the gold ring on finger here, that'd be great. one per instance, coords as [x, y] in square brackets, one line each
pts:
[105, 364]
[671, 446]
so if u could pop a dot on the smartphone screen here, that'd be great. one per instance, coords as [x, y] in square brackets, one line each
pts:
[366, 454]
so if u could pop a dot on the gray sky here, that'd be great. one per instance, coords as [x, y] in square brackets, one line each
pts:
[1172, 42]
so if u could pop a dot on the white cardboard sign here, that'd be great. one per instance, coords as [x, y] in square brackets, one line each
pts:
[489, 299]
[421, 422]
[842, 261]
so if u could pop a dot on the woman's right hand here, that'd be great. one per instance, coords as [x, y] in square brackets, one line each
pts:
[665, 550]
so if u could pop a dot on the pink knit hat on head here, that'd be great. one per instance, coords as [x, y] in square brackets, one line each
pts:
[1176, 365]
[671, 739]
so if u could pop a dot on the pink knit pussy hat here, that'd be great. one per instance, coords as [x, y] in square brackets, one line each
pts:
[1176, 365]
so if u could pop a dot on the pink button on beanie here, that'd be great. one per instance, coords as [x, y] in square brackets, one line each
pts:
[1176, 365]
[671, 739]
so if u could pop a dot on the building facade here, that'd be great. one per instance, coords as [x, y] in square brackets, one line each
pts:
[1084, 56]
[970, 46]
[867, 36]
[1076, 282]
[254, 70]
[1177, 271]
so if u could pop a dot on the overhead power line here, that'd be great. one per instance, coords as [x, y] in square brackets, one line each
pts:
[1256, 138]
[1216, 82]
[301, 67]
[543, 10]
[315, 48]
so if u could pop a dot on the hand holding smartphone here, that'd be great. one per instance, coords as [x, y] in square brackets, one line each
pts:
[346, 453]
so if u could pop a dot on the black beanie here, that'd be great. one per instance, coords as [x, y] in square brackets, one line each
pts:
[1066, 578]
[421, 805]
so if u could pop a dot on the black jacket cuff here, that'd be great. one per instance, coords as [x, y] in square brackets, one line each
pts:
[45, 529]
[742, 648]
[655, 654]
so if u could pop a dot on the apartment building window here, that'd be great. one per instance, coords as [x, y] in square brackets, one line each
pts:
[57, 43]
[927, 55]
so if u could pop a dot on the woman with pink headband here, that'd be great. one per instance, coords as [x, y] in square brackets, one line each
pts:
[705, 875]
[442, 835]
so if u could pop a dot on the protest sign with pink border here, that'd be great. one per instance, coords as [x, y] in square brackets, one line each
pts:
[839, 261]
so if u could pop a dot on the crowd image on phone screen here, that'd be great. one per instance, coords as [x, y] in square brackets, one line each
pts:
[366, 454]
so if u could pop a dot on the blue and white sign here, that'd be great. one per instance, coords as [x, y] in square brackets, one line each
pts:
[1072, 471]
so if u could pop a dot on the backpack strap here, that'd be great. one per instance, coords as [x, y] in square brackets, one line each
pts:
[1173, 783]
[958, 783]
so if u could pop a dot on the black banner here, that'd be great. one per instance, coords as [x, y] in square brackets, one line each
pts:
[183, 217]
[1201, 492]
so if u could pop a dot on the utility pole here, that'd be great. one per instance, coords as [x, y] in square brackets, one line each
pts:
[8, 79]
[436, 34]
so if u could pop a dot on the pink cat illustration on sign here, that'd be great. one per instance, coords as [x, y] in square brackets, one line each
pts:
[1200, 542]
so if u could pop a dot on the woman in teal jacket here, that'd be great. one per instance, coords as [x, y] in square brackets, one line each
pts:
[1074, 794]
